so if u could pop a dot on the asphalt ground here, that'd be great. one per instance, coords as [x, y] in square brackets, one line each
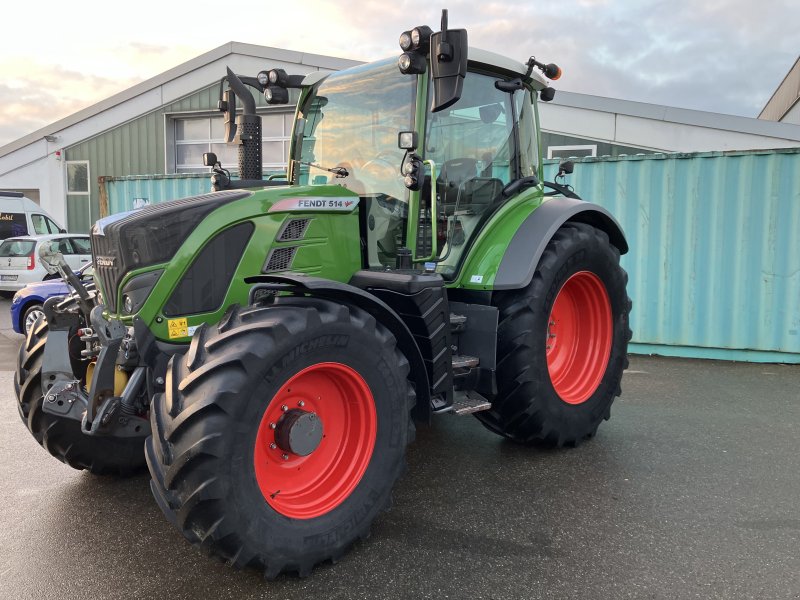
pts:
[690, 491]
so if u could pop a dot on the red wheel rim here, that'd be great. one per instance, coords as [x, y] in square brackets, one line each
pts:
[304, 487]
[579, 337]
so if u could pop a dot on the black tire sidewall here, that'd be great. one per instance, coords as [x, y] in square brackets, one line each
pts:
[374, 362]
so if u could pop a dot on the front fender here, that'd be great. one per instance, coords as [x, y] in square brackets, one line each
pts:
[341, 292]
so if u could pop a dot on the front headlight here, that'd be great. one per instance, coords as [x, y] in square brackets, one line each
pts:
[137, 289]
[16, 298]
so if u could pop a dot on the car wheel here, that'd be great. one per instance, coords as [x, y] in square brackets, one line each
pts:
[30, 316]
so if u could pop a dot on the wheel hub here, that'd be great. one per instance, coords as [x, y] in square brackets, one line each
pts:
[299, 432]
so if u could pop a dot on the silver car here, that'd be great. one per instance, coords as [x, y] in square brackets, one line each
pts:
[20, 263]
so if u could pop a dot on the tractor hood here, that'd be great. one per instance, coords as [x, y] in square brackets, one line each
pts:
[153, 235]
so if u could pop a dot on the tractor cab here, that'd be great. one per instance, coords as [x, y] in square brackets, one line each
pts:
[471, 150]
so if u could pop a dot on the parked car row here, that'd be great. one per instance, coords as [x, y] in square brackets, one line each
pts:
[24, 227]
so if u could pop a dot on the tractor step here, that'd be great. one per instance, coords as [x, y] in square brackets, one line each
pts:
[465, 362]
[468, 402]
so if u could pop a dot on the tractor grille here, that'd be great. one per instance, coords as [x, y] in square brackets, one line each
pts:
[295, 229]
[280, 259]
[106, 253]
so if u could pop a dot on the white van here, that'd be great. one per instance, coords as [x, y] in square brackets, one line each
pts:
[22, 216]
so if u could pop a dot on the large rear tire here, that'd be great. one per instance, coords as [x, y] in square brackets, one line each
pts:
[63, 437]
[281, 433]
[562, 342]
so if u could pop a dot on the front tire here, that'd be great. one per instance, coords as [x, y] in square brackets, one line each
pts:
[562, 342]
[237, 460]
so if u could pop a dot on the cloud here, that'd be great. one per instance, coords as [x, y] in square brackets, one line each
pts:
[719, 55]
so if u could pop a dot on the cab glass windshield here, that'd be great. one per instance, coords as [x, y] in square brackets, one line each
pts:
[350, 124]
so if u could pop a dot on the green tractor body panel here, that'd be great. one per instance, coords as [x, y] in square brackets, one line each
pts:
[326, 244]
[484, 257]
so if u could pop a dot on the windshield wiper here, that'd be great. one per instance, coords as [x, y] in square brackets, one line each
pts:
[338, 171]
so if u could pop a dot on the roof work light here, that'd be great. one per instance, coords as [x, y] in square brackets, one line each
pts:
[415, 45]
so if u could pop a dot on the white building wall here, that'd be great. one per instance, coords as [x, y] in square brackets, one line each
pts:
[37, 167]
[654, 134]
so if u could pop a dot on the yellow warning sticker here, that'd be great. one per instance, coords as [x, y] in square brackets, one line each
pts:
[178, 328]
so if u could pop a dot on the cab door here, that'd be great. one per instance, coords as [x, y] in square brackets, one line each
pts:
[479, 145]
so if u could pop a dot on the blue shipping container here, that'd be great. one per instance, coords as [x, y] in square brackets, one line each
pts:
[714, 263]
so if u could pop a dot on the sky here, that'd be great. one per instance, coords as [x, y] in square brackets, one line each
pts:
[724, 56]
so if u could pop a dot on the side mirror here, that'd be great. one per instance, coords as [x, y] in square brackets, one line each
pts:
[209, 159]
[565, 167]
[50, 256]
[448, 58]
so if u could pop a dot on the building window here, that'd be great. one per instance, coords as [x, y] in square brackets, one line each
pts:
[78, 177]
[196, 135]
[79, 206]
[571, 151]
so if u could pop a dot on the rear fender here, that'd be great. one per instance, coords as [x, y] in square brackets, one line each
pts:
[527, 245]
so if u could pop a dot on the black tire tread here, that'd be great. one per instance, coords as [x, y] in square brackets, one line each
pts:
[516, 412]
[187, 438]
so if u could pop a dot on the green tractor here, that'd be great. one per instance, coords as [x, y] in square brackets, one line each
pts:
[271, 344]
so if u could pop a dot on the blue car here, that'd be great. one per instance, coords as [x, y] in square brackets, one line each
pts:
[26, 307]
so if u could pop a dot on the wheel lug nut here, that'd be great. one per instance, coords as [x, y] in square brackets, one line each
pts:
[285, 456]
[273, 445]
[284, 408]
[301, 403]
[272, 426]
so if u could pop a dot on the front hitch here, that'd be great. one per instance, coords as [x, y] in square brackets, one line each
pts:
[106, 413]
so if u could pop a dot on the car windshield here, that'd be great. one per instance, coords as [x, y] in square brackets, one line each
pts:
[352, 122]
[16, 248]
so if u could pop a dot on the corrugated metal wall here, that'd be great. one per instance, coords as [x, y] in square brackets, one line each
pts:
[715, 245]
[127, 193]
[132, 148]
[715, 249]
